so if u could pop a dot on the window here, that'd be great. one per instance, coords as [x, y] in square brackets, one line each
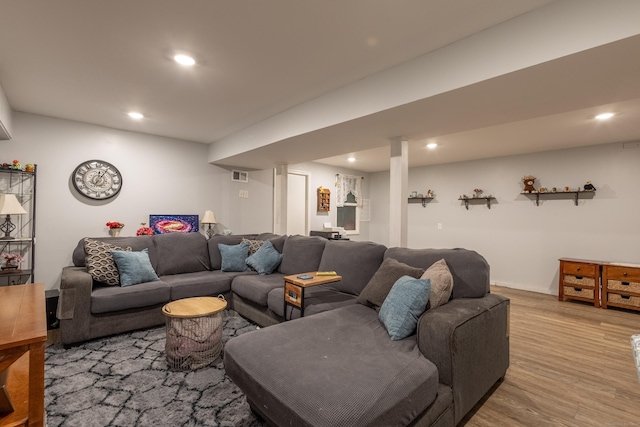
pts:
[349, 215]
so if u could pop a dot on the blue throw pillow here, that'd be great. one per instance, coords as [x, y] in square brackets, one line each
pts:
[404, 305]
[134, 267]
[266, 259]
[234, 256]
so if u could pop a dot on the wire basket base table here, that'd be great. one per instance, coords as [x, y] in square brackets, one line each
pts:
[194, 331]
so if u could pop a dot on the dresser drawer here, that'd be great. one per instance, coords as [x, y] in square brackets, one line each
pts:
[626, 300]
[576, 291]
[579, 269]
[624, 286]
[629, 274]
[570, 279]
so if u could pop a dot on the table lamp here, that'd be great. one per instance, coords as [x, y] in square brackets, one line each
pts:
[209, 218]
[9, 205]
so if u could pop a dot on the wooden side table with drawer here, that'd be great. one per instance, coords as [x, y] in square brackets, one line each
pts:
[621, 286]
[579, 279]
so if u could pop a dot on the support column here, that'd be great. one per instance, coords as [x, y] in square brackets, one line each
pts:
[398, 190]
[280, 191]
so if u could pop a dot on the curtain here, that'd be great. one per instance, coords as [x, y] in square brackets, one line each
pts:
[348, 184]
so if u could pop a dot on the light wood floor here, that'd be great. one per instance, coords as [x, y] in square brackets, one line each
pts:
[571, 365]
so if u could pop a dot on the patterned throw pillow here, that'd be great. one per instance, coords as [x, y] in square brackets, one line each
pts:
[254, 245]
[100, 263]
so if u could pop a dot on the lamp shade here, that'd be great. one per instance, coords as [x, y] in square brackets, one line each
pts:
[9, 205]
[209, 218]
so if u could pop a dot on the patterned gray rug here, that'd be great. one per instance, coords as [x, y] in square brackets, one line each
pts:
[125, 381]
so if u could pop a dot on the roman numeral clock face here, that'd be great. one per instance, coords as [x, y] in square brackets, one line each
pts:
[97, 180]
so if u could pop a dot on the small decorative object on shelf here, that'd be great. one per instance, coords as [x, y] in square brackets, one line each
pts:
[11, 262]
[29, 167]
[430, 193]
[114, 228]
[589, 186]
[477, 192]
[144, 230]
[528, 184]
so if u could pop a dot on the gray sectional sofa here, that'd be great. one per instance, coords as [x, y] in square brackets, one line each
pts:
[335, 366]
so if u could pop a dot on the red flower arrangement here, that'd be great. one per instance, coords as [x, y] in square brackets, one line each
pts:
[142, 231]
[115, 224]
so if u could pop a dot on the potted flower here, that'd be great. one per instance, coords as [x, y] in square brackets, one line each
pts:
[142, 231]
[12, 260]
[114, 228]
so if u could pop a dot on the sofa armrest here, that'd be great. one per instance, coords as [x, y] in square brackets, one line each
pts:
[468, 340]
[74, 304]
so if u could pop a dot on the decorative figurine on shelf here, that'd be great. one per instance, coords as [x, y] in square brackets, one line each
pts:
[528, 184]
[589, 186]
[29, 167]
[542, 190]
[16, 165]
[477, 192]
[12, 262]
[429, 193]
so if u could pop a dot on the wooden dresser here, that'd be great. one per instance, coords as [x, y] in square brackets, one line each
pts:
[579, 279]
[23, 334]
[621, 286]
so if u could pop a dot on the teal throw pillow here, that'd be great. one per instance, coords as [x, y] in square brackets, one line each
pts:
[404, 305]
[234, 256]
[266, 259]
[134, 267]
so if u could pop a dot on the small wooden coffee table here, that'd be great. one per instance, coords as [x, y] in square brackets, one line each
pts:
[194, 331]
[294, 288]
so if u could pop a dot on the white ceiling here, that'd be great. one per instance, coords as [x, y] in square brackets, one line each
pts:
[93, 61]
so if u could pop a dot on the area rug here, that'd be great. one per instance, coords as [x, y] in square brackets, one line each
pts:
[125, 381]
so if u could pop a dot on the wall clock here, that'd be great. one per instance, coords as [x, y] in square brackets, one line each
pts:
[97, 179]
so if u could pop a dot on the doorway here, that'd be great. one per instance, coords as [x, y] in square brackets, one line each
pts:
[298, 203]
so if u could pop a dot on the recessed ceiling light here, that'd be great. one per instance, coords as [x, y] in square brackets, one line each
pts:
[351, 159]
[605, 116]
[135, 115]
[431, 145]
[184, 60]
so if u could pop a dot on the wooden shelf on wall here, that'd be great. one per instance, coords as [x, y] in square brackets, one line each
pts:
[468, 200]
[423, 200]
[575, 195]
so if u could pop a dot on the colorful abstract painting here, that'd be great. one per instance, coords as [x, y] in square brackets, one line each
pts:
[162, 224]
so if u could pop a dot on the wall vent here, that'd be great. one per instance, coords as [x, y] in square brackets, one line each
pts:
[240, 176]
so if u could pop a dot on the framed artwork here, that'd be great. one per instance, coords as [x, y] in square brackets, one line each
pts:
[162, 224]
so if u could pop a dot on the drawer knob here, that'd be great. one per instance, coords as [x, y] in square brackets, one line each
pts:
[624, 274]
[578, 268]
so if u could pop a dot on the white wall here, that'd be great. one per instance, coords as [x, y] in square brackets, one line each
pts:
[6, 125]
[521, 241]
[325, 176]
[160, 176]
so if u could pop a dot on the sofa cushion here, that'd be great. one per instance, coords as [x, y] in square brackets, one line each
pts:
[107, 299]
[441, 283]
[201, 283]
[390, 271]
[181, 253]
[356, 262]
[134, 267]
[276, 240]
[470, 271]
[344, 363]
[404, 305]
[234, 257]
[214, 252]
[265, 260]
[301, 254]
[100, 263]
[256, 288]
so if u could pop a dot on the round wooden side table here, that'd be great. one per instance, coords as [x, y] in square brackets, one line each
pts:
[194, 331]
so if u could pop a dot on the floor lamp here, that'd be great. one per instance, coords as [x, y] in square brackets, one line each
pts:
[9, 205]
[209, 218]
